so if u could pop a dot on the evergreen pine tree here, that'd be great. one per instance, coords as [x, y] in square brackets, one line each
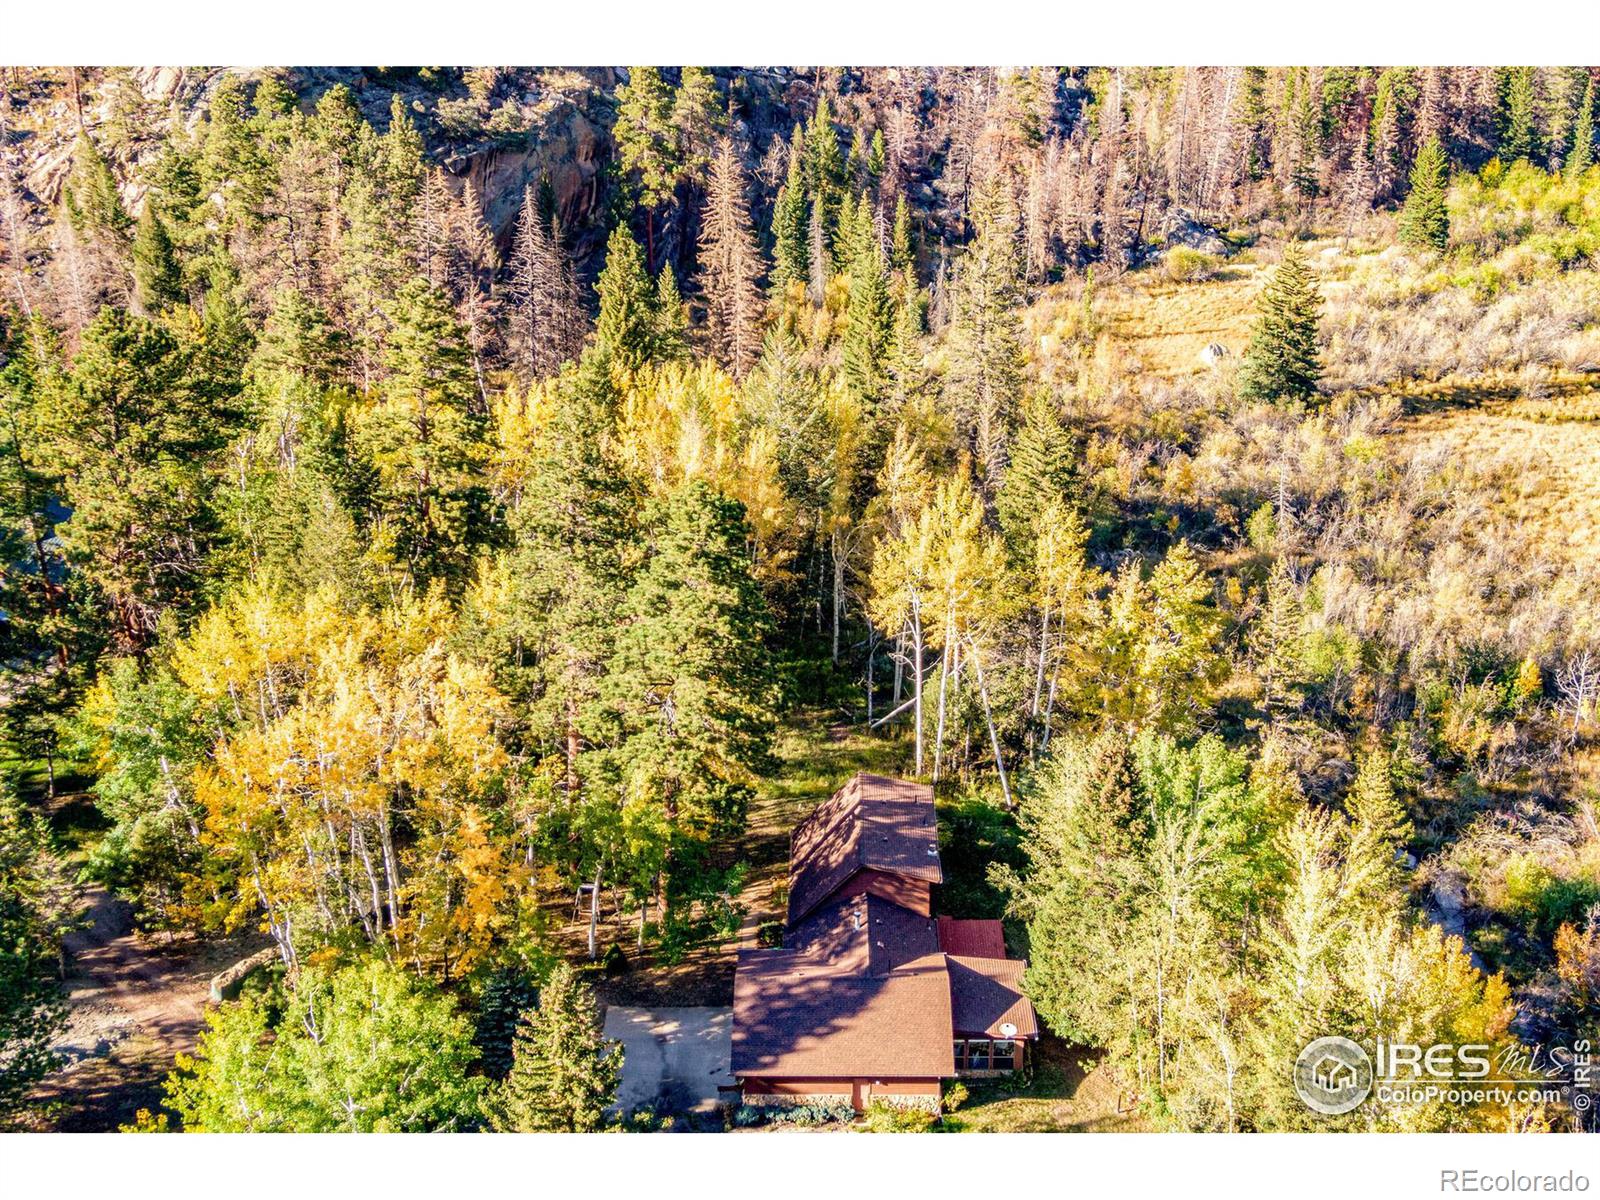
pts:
[1281, 361]
[564, 1071]
[825, 173]
[158, 280]
[1305, 135]
[855, 161]
[1425, 221]
[671, 341]
[426, 443]
[984, 376]
[905, 354]
[1384, 133]
[299, 340]
[647, 143]
[625, 331]
[569, 526]
[858, 235]
[869, 327]
[132, 439]
[844, 242]
[35, 902]
[698, 116]
[789, 232]
[1251, 122]
[231, 165]
[1280, 641]
[93, 204]
[901, 252]
[1379, 826]
[1519, 137]
[1041, 471]
[506, 995]
[1582, 156]
[691, 676]
[877, 159]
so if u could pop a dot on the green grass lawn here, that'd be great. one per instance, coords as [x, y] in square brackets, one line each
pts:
[1066, 1092]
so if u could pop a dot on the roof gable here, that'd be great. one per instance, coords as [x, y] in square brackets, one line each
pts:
[872, 823]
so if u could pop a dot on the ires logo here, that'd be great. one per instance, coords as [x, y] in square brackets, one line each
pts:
[1399, 1062]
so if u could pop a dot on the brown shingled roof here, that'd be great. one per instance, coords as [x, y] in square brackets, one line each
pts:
[863, 986]
[859, 988]
[986, 993]
[871, 822]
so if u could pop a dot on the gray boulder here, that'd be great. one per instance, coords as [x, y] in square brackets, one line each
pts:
[1180, 227]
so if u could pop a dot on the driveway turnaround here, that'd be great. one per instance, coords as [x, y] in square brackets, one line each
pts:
[674, 1058]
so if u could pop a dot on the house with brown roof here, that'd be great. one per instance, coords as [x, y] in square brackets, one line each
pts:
[870, 996]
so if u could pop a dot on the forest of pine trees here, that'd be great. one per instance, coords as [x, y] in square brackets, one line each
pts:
[395, 545]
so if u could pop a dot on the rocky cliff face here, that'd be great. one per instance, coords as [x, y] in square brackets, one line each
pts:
[498, 129]
[558, 127]
[560, 131]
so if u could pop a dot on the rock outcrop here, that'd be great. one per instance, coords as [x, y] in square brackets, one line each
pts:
[1180, 227]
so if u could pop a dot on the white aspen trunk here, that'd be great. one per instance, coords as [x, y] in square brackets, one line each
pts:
[358, 849]
[594, 914]
[893, 713]
[281, 932]
[1049, 708]
[916, 668]
[838, 590]
[1044, 649]
[944, 680]
[872, 649]
[1161, 1045]
[994, 738]
[391, 868]
[899, 665]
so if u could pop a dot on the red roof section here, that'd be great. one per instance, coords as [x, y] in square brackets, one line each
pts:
[973, 939]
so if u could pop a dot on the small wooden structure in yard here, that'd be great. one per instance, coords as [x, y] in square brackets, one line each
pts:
[869, 997]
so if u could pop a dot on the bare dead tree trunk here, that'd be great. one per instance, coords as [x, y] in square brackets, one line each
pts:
[77, 101]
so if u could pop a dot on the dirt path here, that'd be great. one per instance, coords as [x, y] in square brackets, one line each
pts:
[134, 1004]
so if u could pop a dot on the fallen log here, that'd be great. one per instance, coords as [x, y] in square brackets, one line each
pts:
[225, 984]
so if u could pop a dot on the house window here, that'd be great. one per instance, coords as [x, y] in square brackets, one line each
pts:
[1005, 1055]
[961, 1056]
[977, 1056]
